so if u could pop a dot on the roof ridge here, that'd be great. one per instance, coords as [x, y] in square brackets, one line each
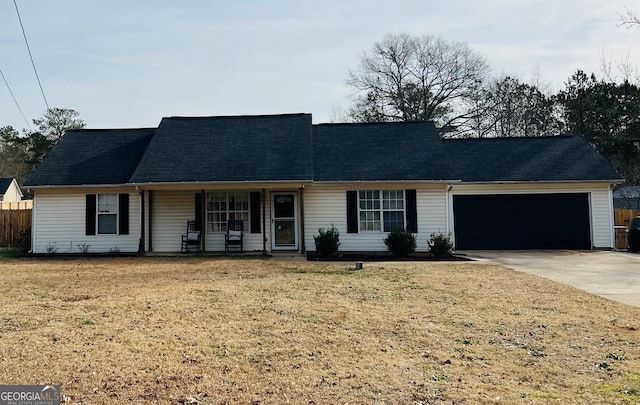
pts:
[508, 138]
[111, 129]
[372, 123]
[195, 117]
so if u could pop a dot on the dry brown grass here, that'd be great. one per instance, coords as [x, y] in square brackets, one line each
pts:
[180, 330]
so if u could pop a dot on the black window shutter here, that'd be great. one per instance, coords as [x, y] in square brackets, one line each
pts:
[254, 207]
[352, 212]
[198, 208]
[412, 211]
[90, 216]
[123, 214]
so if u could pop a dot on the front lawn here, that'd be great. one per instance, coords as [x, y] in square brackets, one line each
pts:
[215, 331]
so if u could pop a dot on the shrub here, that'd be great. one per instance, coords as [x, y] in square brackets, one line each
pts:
[327, 241]
[440, 245]
[400, 242]
[51, 248]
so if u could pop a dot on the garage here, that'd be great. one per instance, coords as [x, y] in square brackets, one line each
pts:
[522, 221]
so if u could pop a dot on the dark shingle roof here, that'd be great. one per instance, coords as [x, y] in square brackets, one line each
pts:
[93, 156]
[382, 151]
[239, 148]
[272, 148]
[553, 158]
[5, 182]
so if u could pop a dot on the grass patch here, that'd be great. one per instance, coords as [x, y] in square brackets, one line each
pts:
[179, 330]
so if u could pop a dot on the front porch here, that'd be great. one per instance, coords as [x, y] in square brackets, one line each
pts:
[272, 218]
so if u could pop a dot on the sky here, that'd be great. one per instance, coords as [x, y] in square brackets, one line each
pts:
[128, 63]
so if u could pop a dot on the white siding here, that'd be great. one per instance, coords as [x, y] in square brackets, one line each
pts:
[599, 200]
[59, 221]
[326, 205]
[172, 210]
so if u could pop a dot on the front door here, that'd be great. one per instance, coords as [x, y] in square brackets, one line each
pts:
[284, 221]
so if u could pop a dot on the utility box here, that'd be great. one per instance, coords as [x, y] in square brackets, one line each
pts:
[621, 237]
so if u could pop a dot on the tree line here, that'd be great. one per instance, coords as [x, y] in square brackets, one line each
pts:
[422, 77]
[405, 78]
[20, 153]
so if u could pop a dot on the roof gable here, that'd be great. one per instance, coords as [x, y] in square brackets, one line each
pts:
[401, 151]
[5, 182]
[92, 157]
[522, 159]
[229, 149]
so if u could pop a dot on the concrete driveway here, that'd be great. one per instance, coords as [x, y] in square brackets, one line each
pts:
[613, 275]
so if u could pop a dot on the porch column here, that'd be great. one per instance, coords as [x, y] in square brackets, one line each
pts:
[203, 222]
[141, 249]
[264, 222]
[150, 192]
[302, 247]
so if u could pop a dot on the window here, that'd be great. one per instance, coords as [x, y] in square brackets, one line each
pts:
[381, 210]
[107, 213]
[224, 206]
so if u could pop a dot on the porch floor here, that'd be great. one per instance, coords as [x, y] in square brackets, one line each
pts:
[257, 254]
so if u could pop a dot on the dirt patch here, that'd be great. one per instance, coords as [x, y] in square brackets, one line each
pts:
[191, 330]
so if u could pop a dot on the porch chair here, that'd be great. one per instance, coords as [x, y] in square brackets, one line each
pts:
[191, 239]
[234, 236]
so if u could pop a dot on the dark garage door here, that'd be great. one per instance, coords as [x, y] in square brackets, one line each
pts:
[522, 221]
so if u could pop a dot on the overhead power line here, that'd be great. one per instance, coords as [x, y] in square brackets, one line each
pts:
[30, 55]
[14, 98]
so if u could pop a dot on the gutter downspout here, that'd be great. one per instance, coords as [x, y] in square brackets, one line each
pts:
[33, 223]
[612, 224]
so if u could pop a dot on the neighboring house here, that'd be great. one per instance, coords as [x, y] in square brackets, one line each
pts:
[627, 197]
[9, 189]
[135, 189]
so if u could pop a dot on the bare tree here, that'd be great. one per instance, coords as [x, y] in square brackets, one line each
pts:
[405, 78]
[628, 19]
[622, 70]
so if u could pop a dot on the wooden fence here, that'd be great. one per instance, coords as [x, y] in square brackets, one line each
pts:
[16, 205]
[12, 223]
[623, 216]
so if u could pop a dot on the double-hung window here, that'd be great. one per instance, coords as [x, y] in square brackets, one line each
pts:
[381, 210]
[107, 212]
[225, 206]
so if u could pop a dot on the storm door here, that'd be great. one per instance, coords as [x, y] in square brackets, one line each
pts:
[284, 221]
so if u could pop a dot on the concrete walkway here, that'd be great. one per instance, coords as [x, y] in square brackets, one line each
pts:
[613, 275]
